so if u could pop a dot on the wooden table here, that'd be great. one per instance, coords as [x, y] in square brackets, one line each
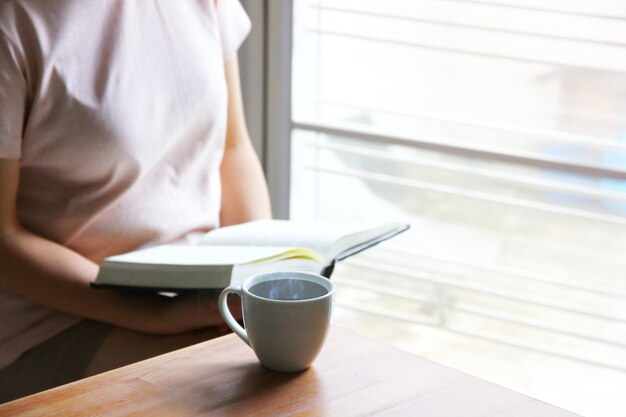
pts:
[352, 376]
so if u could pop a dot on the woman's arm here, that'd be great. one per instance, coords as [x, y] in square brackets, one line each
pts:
[53, 275]
[244, 190]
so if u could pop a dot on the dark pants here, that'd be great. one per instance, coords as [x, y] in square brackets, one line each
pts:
[59, 360]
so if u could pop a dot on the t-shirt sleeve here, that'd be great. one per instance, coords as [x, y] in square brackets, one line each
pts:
[234, 25]
[12, 100]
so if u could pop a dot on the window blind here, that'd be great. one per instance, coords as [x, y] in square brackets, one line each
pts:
[498, 130]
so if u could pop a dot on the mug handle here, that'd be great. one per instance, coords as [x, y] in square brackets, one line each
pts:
[230, 320]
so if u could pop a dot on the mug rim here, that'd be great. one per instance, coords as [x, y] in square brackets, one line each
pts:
[328, 285]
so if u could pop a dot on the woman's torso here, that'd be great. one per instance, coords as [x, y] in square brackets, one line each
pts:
[124, 134]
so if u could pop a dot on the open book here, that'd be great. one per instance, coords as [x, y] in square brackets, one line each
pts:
[231, 254]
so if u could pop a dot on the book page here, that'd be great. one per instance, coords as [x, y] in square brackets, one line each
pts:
[201, 255]
[242, 272]
[363, 239]
[319, 237]
[196, 267]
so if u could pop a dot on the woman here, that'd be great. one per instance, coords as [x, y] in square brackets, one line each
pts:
[121, 126]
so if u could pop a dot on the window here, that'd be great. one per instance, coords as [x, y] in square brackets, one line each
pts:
[497, 128]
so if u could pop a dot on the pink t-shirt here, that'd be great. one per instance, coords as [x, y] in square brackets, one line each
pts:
[117, 112]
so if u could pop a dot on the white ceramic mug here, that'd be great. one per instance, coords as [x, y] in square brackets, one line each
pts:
[286, 317]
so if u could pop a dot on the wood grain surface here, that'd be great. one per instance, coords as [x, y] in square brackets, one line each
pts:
[353, 376]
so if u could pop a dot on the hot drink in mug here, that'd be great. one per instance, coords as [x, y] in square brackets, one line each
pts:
[286, 317]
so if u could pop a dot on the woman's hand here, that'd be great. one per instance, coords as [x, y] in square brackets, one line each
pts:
[190, 312]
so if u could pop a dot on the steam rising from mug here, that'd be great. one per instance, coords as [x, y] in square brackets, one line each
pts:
[288, 289]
